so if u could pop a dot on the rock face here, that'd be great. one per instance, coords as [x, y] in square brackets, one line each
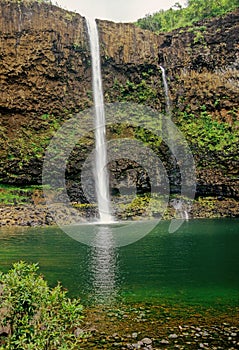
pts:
[39, 60]
[45, 74]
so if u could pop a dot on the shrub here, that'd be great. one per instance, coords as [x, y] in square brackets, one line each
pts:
[38, 317]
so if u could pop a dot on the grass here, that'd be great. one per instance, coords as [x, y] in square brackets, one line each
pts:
[12, 195]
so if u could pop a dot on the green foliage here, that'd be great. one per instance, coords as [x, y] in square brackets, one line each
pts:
[138, 92]
[147, 205]
[45, 116]
[14, 195]
[209, 134]
[177, 16]
[27, 145]
[198, 37]
[152, 140]
[38, 317]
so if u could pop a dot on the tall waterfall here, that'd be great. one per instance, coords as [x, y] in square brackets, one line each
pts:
[166, 91]
[101, 172]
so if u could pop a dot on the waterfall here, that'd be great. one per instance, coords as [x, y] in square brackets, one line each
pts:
[166, 125]
[101, 172]
[166, 91]
[178, 204]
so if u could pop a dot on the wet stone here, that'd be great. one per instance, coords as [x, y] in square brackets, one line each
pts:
[140, 343]
[172, 336]
[146, 341]
[134, 335]
[205, 333]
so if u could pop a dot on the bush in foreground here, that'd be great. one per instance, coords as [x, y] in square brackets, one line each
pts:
[36, 316]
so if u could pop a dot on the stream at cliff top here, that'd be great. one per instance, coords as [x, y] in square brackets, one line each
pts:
[198, 264]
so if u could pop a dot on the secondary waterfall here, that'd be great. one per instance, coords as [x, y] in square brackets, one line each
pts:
[101, 172]
[179, 205]
[166, 91]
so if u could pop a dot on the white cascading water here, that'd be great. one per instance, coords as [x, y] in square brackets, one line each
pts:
[166, 91]
[178, 205]
[101, 172]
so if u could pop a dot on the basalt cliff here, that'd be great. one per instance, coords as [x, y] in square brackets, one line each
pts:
[45, 75]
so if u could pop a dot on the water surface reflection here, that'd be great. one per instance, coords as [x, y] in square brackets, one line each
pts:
[197, 264]
[103, 266]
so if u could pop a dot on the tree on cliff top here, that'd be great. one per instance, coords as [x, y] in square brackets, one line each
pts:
[177, 16]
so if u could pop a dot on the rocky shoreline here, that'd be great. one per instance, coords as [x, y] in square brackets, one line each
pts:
[38, 215]
[32, 215]
[156, 327]
[220, 336]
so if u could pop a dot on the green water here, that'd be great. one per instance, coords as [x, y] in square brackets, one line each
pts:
[198, 264]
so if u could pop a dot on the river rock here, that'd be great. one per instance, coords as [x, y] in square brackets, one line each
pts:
[172, 336]
[146, 341]
[134, 335]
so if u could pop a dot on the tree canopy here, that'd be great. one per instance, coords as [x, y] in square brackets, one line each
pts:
[178, 16]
